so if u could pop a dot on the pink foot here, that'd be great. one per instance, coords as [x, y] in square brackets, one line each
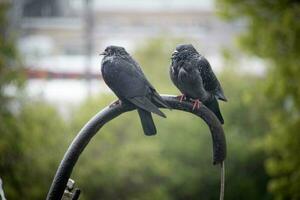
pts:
[196, 104]
[181, 98]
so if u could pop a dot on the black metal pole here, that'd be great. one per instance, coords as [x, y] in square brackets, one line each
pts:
[93, 125]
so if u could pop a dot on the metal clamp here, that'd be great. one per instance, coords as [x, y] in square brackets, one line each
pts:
[71, 193]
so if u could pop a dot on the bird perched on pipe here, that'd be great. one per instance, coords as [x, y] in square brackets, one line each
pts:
[192, 75]
[126, 79]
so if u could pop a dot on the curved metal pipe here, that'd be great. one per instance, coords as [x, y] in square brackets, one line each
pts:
[93, 125]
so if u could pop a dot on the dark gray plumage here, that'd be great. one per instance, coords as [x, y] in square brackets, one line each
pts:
[125, 78]
[193, 76]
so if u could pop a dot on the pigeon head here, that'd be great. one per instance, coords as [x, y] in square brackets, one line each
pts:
[185, 47]
[184, 50]
[114, 50]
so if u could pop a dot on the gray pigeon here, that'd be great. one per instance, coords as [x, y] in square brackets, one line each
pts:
[193, 76]
[125, 78]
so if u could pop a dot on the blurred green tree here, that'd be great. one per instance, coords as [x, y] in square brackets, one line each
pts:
[273, 33]
[32, 134]
[9, 77]
[34, 149]
[10, 70]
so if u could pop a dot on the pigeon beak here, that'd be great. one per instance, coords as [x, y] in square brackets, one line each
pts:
[174, 54]
[103, 53]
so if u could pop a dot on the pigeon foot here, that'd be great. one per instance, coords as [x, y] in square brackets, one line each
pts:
[181, 98]
[196, 104]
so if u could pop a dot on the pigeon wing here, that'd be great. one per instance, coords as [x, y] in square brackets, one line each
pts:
[155, 96]
[128, 83]
[145, 104]
[210, 80]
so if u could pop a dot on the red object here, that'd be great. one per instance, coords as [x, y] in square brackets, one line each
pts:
[46, 74]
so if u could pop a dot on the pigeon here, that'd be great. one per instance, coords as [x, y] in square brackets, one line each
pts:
[125, 78]
[191, 73]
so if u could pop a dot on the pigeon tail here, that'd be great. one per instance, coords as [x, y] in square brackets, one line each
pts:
[147, 122]
[220, 95]
[145, 104]
[214, 107]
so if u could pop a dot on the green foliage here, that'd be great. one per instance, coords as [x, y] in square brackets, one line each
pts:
[245, 125]
[273, 33]
[30, 133]
[31, 151]
[10, 71]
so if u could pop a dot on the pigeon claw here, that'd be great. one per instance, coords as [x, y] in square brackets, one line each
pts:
[181, 98]
[115, 103]
[196, 104]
